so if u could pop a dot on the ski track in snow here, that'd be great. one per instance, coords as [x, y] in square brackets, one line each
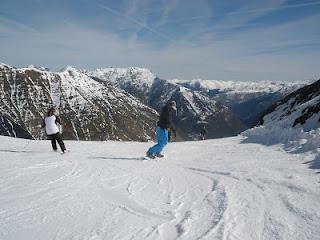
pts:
[216, 189]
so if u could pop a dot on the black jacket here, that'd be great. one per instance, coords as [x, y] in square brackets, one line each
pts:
[165, 119]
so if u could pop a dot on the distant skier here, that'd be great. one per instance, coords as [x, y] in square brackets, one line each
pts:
[52, 129]
[203, 133]
[165, 122]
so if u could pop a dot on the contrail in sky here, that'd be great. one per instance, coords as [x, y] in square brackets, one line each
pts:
[115, 12]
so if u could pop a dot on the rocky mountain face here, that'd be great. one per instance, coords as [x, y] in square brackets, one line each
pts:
[10, 128]
[195, 109]
[299, 108]
[248, 100]
[135, 81]
[89, 109]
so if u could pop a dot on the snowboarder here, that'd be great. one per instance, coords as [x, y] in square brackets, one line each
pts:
[203, 133]
[165, 122]
[52, 130]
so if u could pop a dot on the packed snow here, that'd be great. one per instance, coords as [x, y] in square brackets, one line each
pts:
[213, 189]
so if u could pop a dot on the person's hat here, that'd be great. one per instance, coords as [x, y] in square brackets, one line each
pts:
[173, 105]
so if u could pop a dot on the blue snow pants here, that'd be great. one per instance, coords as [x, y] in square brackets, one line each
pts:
[162, 138]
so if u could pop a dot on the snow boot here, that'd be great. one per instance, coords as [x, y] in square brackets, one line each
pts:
[159, 155]
[150, 155]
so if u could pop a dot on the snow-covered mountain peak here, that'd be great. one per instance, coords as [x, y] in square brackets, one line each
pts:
[23, 69]
[35, 68]
[240, 86]
[68, 68]
[2, 65]
[140, 76]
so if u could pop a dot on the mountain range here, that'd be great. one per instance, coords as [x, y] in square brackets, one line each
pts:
[124, 103]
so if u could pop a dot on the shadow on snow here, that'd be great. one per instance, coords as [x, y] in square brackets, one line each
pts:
[120, 158]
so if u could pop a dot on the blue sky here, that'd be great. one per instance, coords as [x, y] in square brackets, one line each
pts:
[184, 39]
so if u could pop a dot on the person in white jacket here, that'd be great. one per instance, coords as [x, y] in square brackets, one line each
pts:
[52, 130]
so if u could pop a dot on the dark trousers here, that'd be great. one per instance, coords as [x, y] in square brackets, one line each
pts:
[57, 138]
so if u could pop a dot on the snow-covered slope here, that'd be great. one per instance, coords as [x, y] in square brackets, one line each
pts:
[301, 107]
[90, 110]
[293, 121]
[215, 189]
